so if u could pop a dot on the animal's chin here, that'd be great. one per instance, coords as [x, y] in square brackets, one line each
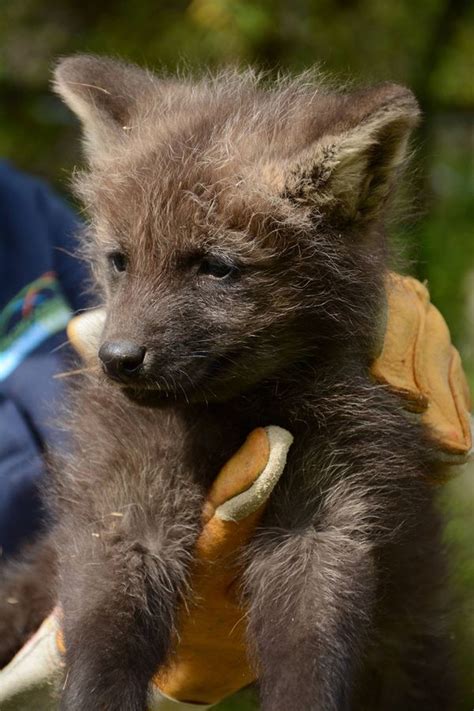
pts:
[155, 397]
[212, 385]
[148, 397]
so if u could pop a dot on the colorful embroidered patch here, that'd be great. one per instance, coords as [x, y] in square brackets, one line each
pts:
[36, 313]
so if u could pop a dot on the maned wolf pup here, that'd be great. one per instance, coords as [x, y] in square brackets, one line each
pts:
[238, 242]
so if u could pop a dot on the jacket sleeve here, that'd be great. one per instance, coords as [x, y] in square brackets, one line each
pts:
[63, 229]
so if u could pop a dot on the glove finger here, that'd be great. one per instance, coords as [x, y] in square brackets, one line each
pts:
[248, 501]
[240, 472]
[36, 663]
[235, 516]
[84, 332]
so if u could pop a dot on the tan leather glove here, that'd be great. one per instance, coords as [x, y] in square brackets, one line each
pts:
[209, 661]
[419, 362]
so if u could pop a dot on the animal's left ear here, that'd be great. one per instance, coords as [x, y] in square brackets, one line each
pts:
[105, 94]
[350, 170]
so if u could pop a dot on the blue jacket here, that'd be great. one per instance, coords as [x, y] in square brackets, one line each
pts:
[41, 285]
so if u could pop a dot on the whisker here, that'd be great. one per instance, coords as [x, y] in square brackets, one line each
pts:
[68, 373]
[58, 348]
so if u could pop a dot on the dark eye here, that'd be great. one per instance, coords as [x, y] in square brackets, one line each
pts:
[217, 268]
[118, 261]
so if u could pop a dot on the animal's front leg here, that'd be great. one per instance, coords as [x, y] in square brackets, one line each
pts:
[118, 598]
[311, 594]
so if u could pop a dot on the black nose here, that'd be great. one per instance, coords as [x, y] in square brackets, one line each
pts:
[121, 359]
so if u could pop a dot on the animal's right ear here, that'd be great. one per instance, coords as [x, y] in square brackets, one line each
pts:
[104, 94]
[350, 169]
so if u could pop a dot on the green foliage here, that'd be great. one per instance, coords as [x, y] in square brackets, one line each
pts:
[243, 701]
[458, 507]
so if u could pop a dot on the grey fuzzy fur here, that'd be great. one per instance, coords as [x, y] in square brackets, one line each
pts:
[289, 183]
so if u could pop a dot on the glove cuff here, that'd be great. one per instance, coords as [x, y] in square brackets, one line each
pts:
[161, 702]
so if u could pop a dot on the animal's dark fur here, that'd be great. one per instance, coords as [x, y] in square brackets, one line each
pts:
[26, 596]
[288, 185]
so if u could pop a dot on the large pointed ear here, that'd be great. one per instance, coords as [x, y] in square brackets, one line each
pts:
[350, 170]
[104, 94]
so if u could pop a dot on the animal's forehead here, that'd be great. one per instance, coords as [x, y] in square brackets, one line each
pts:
[162, 195]
[177, 193]
[196, 177]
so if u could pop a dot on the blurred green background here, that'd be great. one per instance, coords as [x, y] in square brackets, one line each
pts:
[427, 45]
